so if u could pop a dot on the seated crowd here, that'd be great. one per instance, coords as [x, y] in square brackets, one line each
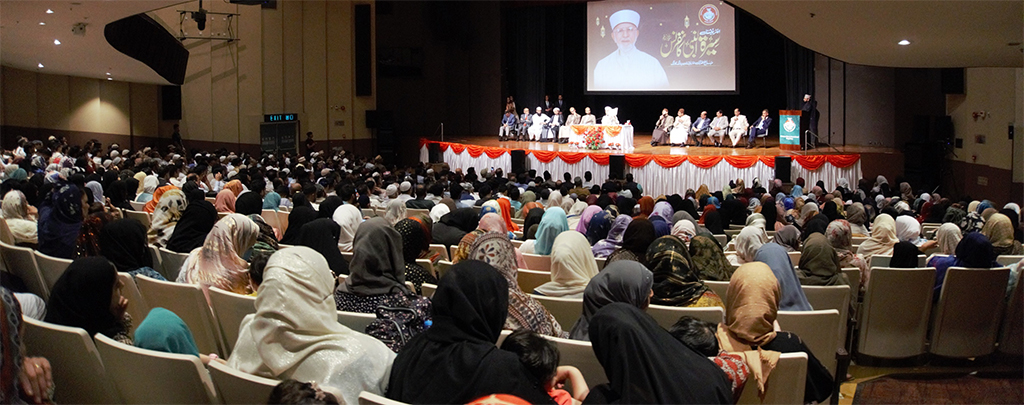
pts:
[68, 202]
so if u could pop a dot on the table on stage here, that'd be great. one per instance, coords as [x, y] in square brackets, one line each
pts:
[619, 137]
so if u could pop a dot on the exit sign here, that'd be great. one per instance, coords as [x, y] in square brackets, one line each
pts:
[280, 117]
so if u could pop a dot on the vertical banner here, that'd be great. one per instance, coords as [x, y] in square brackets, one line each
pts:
[789, 129]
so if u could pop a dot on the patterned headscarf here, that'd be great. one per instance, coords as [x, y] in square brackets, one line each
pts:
[167, 212]
[219, 261]
[708, 258]
[999, 230]
[613, 241]
[10, 348]
[948, 236]
[675, 282]
[524, 312]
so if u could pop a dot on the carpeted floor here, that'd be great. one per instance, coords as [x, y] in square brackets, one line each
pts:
[992, 388]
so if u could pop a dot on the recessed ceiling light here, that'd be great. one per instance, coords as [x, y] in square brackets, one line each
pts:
[48, 11]
[40, 65]
[108, 73]
[42, 23]
[110, 78]
[904, 42]
[56, 42]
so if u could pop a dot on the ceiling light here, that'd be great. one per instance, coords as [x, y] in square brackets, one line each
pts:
[108, 73]
[48, 11]
[904, 42]
[42, 23]
[110, 78]
[40, 65]
[56, 42]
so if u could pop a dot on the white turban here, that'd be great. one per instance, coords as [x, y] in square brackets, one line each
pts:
[623, 16]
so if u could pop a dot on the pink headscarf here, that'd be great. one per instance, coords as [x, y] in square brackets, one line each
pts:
[585, 217]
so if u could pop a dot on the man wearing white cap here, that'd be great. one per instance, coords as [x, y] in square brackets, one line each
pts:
[537, 124]
[628, 68]
[406, 189]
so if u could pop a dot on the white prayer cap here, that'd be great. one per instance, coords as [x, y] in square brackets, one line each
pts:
[325, 172]
[392, 190]
[623, 16]
[405, 186]
[556, 109]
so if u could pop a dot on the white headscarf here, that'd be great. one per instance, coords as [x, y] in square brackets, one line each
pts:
[348, 217]
[749, 241]
[295, 332]
[882, 240]
[15, 210]
[907, 228]
[572, 266]
[574, 213]
[438, 211]
[948, 236]
[396, 212]
[684, 229]
[1012, 206]
[554, 199]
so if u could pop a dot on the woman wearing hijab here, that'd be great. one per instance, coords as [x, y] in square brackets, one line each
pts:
[166, 214]
[642, 362]
[117, 193]
[857, 217]
[636, 239]
[684, 230]
[831, 211]
[816, 224]
[329, 206]
[841, 238]
[415, 242]
[123, 243]
[676, 282]
[999, 230]
[753, 302]
[297, 218]
[904, 256]
[572, 267]
[708, 258]
[506, 209]
[454, 226]
[713, 223]
[1014, 217]
[439, 211]
[646, 207]
[733, 212]
[219, 262]
[948, 237]
[15, 211]
[585, 218]
[149, 185]
[974, 252]
[225, 201]
[624, 281]
[97, 192]
[314, 235]
[377, 270]
[883, 238]
[819, 263]
[196, 222]
[490, 222]
[295, 333]
[272, 201]
[909, 230]
[396, 212]
[551, 225]
[599, 226]
[524, 312]
[60, 220]
[349, 218]
[88, 296]
[792, 298]
[251, 205]
[573, 216]
[613, 240]
[748, 242]
[555, 200]
[470, 307]
[152, 203]
[163, 331]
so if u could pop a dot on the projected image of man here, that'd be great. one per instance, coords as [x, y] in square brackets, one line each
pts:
[628, 68]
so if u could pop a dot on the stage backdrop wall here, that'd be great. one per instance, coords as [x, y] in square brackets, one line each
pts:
[659, 174]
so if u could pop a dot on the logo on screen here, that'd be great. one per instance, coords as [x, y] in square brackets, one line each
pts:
[708, 14]
[789, 126]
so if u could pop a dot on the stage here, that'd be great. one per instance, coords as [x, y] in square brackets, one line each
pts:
[668, 169]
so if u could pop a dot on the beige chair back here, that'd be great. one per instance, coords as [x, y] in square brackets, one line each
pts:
[1009, 260]
[565, 310]
[668, 316]
[171, 263]
[140, 206]
[236, 387]
[601, 262]
[411, 212]
[151, 377]
[137, 306]
[74, 362]
[537, 262]
[530, 279]
[719, 287]
[229, 309]
[139, 215]
[580, 354]
[883, 260]
[355, 320]
[368, 398]
[428, 289]
[896, 334]
[969, 312]
[442, 268]
[21, 262]
[794, 257]
[440, 250]
[158, 262]
[368, 212]
[785, 384]
[6, 236]
[51, 268]
[1011, 340]
[427, 265]
[835, 297]
[189, 303]
[853, 274]
[271, 218]
[722, 239]
[819, 330]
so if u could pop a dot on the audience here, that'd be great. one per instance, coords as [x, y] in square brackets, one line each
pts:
[88, 296]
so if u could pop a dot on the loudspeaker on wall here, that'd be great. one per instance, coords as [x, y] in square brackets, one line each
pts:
[783, 164]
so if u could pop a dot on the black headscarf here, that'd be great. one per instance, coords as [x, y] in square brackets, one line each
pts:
[532, 218]
[713, 221]
[604, 201]
[770, 212]
[904, 256]
[817, 224]
[191, 230]
[249, 203]
[321, 235]
[131, 185]
[299, 200]
[626, 205]
[676, 201]
[118, 195]
[831, 211]
[299, 217]
[454, 225]
[638, 236]
[81, 297]
[733, 211]
[645, 364]
[327, 207]
[125, 244]
[456, 361]
[690, 208]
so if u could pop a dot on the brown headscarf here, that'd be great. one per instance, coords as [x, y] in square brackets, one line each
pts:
[752, 304]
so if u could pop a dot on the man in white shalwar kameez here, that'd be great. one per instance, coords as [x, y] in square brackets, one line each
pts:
[628, 68]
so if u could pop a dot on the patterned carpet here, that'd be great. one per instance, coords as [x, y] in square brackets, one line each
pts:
[989, 388]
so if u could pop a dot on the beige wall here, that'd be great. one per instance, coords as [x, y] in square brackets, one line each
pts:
[995, 91]
[75, 104]
[295, 59]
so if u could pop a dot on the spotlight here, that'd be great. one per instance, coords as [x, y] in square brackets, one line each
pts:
[40, 65]
[904, 42]
[56, 42]
[48, 11]
[200, 17]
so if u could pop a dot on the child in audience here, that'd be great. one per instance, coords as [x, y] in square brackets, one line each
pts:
[700, 336]
[540, 357]
[293, 392]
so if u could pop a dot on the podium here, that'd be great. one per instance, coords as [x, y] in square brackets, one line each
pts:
[789, 129]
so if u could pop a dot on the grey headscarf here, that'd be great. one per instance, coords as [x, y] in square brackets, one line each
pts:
[377, 265]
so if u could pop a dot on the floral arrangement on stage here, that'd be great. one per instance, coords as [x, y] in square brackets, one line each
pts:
[593, 138]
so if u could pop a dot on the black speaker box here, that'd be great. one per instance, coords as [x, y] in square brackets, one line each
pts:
[363, 50]
[170, 102]
[617, 166]
[518, 161]
[783, 164]
[434, 151]
[953, 81]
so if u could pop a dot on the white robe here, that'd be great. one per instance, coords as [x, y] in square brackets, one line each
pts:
[680, 130]
[631, 69]
[537, 125]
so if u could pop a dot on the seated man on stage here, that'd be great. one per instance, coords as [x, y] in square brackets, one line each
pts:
[551, 129]
[661, 128]
[537, 124]
[718, 127]
[680, 129]
[588, 118]
[611, 116]
[525, 121]
[699, 130]
[508, 125]
[564, 135]
[737, 127]
[759, 128]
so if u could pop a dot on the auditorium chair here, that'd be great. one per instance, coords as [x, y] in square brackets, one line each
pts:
[722, 239]
[883, 261]
[6, 236]
[141, 206]
[150, 377]
[893, 319]
[785, 384]
[530, 279]
[411, 212]
[1011, 340]
[1009, 260]
[835, 297]
[189, 303]
[667, 316]
[368, 398]
[21, 262]
[601, 261]
[229, 309]
[137, 306]
[819, 330]
[171, 263]
[426, 264]
[719, 287]
[565, 310]
[237, 387]
[270, 217]
[440, 250]
[356, 321]
[141, 216]
[75, 363]
[158, 262]
[428, 289]
[517, 243]
[537, 262]
[502, 336]
[51, 268]
[580, 354]
[794, 257]
[368, 212]
[763, 137]
[969, 312]
[442, 268]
